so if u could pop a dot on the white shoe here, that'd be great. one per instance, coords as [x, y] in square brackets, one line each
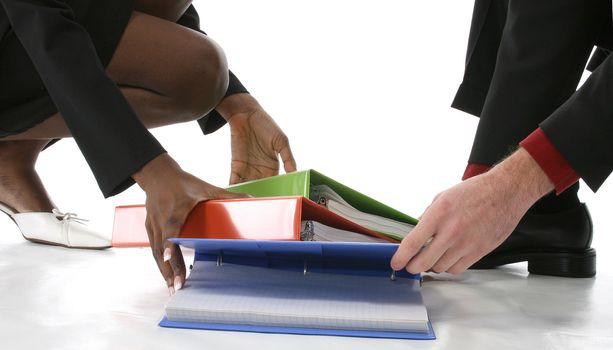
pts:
[56, 228]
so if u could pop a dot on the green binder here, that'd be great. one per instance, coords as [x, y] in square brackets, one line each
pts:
[299, 184]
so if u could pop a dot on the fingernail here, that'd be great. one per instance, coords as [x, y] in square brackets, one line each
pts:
[394, 265]
[166, 254]
[171, 291]
[178, 283]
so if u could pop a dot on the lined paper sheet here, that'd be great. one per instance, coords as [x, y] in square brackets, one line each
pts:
[239, 294]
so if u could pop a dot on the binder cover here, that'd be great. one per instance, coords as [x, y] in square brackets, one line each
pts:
[276, 218]
[354, 258]
[299, 184]
[129, 227]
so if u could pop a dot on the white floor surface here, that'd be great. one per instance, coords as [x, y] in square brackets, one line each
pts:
[60, 298]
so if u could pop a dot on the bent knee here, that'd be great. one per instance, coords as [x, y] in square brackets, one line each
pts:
[206, 79]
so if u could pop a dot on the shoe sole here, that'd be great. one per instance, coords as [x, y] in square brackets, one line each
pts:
[39, 241]
[560, 263]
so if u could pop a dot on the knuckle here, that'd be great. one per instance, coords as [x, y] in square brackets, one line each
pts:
[283, 140]
[455, 231]
[411, 245]
[444, 204]
[149, 226]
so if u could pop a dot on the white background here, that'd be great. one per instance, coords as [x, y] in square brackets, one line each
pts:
[362, 89]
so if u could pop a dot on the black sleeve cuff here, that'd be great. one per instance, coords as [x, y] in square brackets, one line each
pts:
[214, 121]
[113, 186]
[582, 128]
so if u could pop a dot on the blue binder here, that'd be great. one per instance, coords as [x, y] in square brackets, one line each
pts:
[332, 257]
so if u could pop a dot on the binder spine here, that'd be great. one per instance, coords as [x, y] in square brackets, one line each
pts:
[305, 264]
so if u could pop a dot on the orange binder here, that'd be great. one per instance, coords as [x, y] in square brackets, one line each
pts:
[273, 218]
[129, 226]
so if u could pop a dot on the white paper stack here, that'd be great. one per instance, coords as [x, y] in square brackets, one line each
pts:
[316, 231]
[326, 196]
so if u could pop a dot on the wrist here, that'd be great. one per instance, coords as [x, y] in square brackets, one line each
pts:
[521, 177]
[241, 103]
[160, 167]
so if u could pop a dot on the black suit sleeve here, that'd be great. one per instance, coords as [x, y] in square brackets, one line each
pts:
[212, 121]
[111, 137]
[582, 128]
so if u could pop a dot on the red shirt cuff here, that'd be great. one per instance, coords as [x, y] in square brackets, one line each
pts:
[550, 160]
[474, 169]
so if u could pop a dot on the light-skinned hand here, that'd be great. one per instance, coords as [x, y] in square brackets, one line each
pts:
[472, 218]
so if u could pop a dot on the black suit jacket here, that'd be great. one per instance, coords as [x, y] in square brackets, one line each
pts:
[109, 134]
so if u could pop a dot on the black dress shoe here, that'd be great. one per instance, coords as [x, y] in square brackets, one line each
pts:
[554, 244]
